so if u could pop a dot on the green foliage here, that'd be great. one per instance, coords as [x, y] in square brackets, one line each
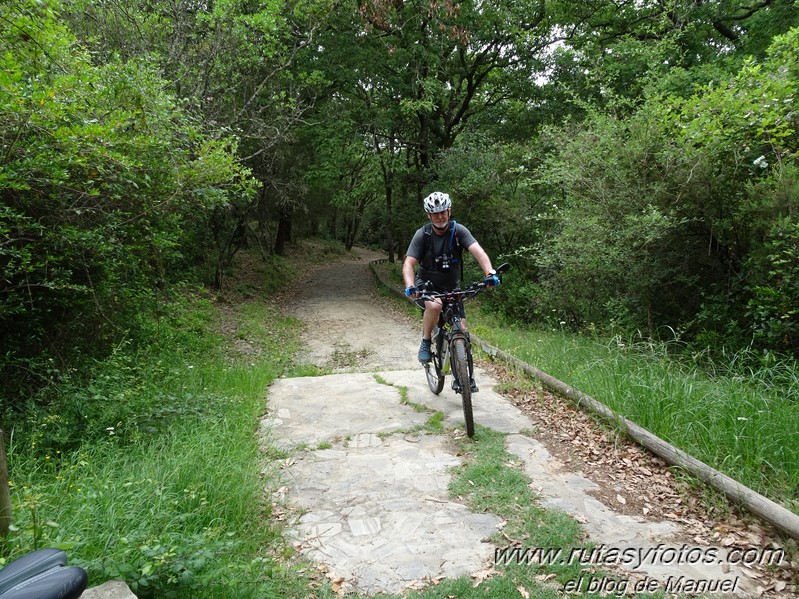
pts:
[490, 183]
[101, 179]
[773, 307]
[153, 474]
[416, 80]
[736, 412]
[667, 215]
[232, 65]
[127, 391]
[610, 253]
[345, 172]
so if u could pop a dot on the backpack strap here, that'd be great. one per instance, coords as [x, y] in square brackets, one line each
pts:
[455, 242]
[428, 241]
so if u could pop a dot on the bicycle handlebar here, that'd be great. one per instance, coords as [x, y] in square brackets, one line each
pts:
[449, 296]
[467, 292]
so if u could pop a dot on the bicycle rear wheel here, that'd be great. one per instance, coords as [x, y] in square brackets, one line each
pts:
[434, 381]
[460, 368]
[434, 370]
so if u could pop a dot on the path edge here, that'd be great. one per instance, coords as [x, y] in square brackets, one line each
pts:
[775, 514]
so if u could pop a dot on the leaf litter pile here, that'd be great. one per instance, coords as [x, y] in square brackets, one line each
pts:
[635, 482]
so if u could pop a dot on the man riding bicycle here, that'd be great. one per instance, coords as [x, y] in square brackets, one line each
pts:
[435, 254]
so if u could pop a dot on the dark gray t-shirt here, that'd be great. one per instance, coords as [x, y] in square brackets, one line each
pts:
[430, 266]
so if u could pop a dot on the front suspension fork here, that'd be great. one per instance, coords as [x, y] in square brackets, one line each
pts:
[456, 333]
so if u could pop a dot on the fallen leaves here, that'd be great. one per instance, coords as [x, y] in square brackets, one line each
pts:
[419, 585]
[337, 585]
[637, 483]
[481, 576]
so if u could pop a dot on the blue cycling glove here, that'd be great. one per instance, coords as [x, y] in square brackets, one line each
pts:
[491, 280]
[411, 291]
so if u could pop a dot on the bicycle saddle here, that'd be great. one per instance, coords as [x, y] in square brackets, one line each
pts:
[42, 574]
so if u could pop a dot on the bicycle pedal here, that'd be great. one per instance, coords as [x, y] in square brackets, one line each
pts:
[456, 386]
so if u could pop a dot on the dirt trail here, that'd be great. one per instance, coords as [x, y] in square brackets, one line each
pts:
[373, 497]
[348, 325]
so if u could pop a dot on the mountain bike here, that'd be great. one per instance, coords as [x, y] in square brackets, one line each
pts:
[451, 347]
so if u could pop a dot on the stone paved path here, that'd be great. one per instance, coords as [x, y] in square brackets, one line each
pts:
[373, 493]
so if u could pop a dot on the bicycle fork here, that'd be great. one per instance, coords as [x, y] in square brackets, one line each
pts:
[457, 333]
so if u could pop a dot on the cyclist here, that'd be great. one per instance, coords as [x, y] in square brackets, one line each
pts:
[435, 254]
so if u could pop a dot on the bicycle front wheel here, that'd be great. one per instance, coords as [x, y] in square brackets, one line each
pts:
[460, 367]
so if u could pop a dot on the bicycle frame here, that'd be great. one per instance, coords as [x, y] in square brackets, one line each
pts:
[447, 330]
[451, 347]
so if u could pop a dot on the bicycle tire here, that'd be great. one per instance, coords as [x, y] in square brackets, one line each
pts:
[434, 380]
[434, 369]
[460, 367]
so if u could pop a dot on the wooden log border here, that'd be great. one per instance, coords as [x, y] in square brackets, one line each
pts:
[775, 514]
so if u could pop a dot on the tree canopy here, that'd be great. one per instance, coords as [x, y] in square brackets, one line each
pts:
[637, 161]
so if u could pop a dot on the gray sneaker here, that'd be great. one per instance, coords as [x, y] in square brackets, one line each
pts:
[424, 351]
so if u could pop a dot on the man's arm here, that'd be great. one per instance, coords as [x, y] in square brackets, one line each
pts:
[482, 258]
[409, 270]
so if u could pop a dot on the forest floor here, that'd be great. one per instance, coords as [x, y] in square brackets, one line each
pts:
[350, 330]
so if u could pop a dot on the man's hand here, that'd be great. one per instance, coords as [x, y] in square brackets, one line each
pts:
[491, 280]
[412, 292]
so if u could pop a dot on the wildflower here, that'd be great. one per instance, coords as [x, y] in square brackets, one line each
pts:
[761, 162]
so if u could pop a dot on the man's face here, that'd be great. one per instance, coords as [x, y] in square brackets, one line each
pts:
[439, 219]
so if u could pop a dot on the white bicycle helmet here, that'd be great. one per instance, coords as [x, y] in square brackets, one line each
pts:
[437, 202]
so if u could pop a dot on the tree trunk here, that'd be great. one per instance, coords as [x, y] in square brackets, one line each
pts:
[349, 235]
[333, 223]
[283, 235]
[389, 222]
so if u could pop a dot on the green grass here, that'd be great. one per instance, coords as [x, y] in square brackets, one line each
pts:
[152, 472]
[489, 482]
[738, 413]
[433, 425]
[742, 422]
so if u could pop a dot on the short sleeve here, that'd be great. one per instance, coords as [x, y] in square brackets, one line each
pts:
[416, 247]
[465, 236]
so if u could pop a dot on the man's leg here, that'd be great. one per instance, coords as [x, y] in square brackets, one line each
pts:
[429, 320]
[432, 311]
